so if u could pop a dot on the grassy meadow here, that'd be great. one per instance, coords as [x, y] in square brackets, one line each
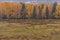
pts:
[30, 30]
[20, 21]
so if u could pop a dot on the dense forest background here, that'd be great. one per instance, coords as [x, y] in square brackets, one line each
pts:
[29, 11]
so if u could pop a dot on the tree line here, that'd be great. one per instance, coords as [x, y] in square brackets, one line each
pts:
[34, 14]
[24, 13]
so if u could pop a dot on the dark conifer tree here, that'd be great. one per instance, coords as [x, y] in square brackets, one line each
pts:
[47, 13]
[53, 9]
[34, 13]
[23, 11]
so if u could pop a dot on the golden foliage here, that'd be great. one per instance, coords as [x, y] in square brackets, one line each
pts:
[15, 8]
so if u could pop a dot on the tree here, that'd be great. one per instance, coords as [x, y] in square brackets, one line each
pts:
[23, 11]
[47, 13]
[11, 17]
[0, 15]
[53, 9]
[4, 16]
[34, 13]
[40, 11]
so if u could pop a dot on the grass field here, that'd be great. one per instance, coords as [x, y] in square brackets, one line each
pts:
[30, 30]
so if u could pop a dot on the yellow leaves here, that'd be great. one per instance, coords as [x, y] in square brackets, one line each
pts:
[57, 12]
[44, 10]
[58, 8]
[29, 8]
[15, 8]
[49, 7]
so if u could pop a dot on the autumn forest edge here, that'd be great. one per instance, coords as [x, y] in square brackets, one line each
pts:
[29, 11]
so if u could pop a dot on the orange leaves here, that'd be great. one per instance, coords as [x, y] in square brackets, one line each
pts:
[15, 8]
[29, 8]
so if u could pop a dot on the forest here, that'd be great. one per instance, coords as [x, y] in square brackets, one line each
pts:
[42, 21]
[29, 11]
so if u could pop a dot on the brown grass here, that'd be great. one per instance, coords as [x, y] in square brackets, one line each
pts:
[30, 30]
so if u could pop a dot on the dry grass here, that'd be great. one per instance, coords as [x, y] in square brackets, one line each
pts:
[28, 31]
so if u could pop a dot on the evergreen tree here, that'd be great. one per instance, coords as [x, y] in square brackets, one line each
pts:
[47, 13]
[34, 13]
[53, 9]
[23, 11]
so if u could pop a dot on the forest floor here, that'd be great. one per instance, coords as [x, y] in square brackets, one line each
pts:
[30, 30]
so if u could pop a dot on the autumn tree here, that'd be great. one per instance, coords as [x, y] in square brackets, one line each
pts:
[23, 11]
[4, 16]
[47, 13]
[11, 17]
[40, 11]
[34, 13]
[53, 10]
